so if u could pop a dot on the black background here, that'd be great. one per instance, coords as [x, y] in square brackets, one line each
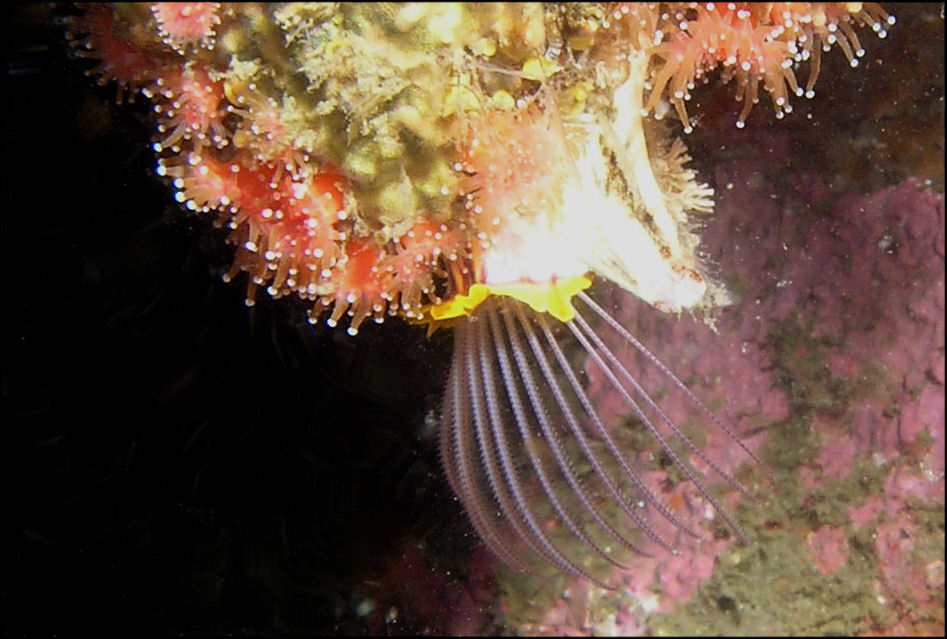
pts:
[178, 462]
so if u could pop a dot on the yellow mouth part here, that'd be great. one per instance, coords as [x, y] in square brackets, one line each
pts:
[553, 297]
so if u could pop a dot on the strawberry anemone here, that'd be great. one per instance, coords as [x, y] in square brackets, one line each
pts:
[757, 44]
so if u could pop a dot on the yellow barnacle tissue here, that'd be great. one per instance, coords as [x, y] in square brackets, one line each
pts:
[553, 297]
[459, 305]
[539, 69]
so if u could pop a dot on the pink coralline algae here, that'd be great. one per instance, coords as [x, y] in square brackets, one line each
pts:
[828, 547]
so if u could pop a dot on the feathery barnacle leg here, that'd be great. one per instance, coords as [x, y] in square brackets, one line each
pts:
[524, 423]
[613, 369]
[516, 403]
[641, 348]
[488, 415]
[461, 456]
[509, 490]
[562, 406]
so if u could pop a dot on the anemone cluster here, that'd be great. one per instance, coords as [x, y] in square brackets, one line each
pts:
[379, 159]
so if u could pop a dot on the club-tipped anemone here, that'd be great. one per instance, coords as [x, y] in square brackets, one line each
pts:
[534, 462]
